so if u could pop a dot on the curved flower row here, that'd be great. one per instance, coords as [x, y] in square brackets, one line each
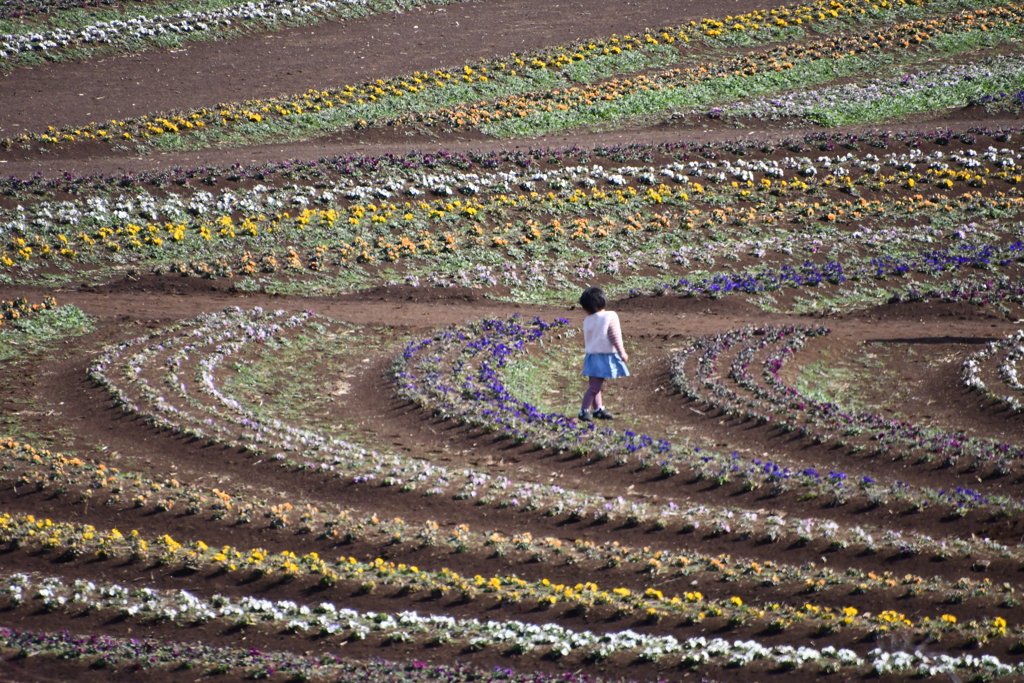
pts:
[946, 86]
[949, 446]
[1012, 348]
[472, 392]
[932, 262]
[777, 403]
[379, 169]
[346, 223]
[209, 413]
[482, 399]
[144, 27]
[212, 414]
[76, 540]
[494, 115]
[326, 619]
[622, 232]
[44, 470]
[105, 651]
[978, 291]
[20, 309]
[760, 26]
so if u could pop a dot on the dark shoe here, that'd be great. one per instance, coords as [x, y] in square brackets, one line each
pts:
[586, 416]
[602, 414]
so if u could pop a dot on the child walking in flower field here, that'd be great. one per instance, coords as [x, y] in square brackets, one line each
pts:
[606, 356]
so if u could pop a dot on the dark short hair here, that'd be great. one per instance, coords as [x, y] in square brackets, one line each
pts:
[592, 300]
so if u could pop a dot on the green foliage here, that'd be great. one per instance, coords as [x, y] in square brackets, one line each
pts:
[42, 329]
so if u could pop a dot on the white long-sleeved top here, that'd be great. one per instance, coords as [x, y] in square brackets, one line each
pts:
[602, 334]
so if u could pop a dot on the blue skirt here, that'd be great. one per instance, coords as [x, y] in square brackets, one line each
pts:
[607, 365]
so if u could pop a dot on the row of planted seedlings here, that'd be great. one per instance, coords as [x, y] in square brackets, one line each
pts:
[104, 651]
[76, 479]
[127, 28]
[778, 344]
[143, 222]
[353, 170]
[1004, 354]
[457, 375]
[70, 477]
[395, 471]
[597, 224]
[66, 476]
[585, 61]
[699, 372]
[326, 620]
[987, 81]
[69, 540]
[778, 69]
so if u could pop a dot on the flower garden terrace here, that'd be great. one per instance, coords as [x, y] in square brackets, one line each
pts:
[290, 393]
[323, 454]
[528, 77]
[631, 226]
[261, 329]
[196, 378]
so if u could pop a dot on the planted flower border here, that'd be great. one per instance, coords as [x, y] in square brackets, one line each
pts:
[946, 86]
[774, 402]
[536, 160]
[1011, 349]
[780, 68]
[520, 73]
[253, 233]
[43, 470]
[326, 619]
[108, 651]
[471, 392]
[136, 28]
[232, 424]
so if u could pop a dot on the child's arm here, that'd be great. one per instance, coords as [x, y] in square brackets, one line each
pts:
[615, 337]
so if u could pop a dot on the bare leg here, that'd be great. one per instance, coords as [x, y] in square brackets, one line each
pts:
[593, 395]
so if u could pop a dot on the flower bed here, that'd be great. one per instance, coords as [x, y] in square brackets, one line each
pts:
[771, 401]
[1011, 348]
[43, 470]
[946, 86]
[478, 397]
[135, 27]
[210, 413]
[108, 651]
[20, 309]
[518, 73]
[495, 230]
[326, 619]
